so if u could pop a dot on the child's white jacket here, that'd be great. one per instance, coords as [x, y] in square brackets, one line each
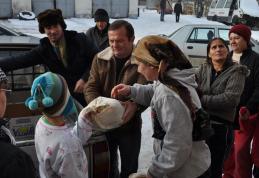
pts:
[60, 149]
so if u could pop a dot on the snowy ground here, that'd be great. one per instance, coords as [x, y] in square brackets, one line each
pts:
[148, 23]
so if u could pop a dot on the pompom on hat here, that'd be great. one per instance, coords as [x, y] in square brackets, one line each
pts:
[101, 15]
[49, 92]
[241, 30]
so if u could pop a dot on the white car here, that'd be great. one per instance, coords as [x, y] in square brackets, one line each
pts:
[193, 39]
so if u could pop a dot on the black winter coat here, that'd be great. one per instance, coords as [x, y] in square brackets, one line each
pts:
[162, 4]
[80, 52]
[178, 8]
[99, 38]
[250, 95]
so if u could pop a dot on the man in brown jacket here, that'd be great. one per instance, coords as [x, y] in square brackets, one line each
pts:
[109, 68]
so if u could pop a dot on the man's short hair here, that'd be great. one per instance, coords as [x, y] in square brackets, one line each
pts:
[50, 17]
[123, 23]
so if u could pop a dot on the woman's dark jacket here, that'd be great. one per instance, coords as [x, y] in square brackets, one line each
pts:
[250, 95]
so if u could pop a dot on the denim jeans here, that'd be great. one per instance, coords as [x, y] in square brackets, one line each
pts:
[256, 172]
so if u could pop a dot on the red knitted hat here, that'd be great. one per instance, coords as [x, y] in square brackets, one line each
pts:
[241, 30]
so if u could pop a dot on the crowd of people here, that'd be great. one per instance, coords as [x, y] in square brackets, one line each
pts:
[104, 62]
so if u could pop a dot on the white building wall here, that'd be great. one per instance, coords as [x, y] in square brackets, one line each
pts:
[83, 8]
[133, 8]
[20, 5]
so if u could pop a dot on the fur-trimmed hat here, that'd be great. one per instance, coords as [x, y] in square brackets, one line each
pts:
[50, 17]
[241, 30]
[49, 92]
[156, 50]
[101, 15]
[142, 53]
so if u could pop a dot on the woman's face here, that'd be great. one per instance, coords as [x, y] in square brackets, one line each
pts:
[149, 72]
[218, 51]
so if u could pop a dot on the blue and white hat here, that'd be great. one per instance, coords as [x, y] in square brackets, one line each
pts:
[49, 92]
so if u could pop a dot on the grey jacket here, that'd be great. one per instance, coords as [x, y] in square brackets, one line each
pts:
[176, 156]
[221, 98]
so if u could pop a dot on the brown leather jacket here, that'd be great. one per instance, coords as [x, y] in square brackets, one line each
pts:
[103, 76]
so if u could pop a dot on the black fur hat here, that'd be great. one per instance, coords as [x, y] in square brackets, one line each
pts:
[50, 17]
[101, 15]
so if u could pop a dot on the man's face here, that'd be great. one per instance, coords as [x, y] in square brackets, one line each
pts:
[237, 43]
[101, 25]
[54, 33]
[2, 102]
[120, 43]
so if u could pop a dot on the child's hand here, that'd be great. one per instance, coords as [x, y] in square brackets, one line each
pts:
[120, 90]
[244, 113]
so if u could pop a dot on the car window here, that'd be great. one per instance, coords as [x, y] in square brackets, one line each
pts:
[213, 4]
[201, 35]
[5, 32]
[223, 33]
[228, 4]
[221, 3]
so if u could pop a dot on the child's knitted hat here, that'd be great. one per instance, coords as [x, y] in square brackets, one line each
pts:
[50, 93]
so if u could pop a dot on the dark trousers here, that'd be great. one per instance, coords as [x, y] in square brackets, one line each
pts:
[128, 142]
[205, 174]
[162, 14]
[220, 145]
[177, 17]
[256, 171]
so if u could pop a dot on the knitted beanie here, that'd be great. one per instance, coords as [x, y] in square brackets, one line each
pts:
[241, 30]
[49, 92]
[101, 15]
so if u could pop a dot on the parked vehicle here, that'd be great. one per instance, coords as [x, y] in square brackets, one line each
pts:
[193, 40]
[22, 121]
[5, 31]
[235, 11]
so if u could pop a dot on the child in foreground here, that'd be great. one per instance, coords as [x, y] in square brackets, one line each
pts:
[59, 143]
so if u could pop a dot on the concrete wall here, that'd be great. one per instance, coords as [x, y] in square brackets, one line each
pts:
[20, 5]
[133, 8]
[83, 8]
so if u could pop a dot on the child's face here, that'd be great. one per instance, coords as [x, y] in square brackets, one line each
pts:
[2, 102]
